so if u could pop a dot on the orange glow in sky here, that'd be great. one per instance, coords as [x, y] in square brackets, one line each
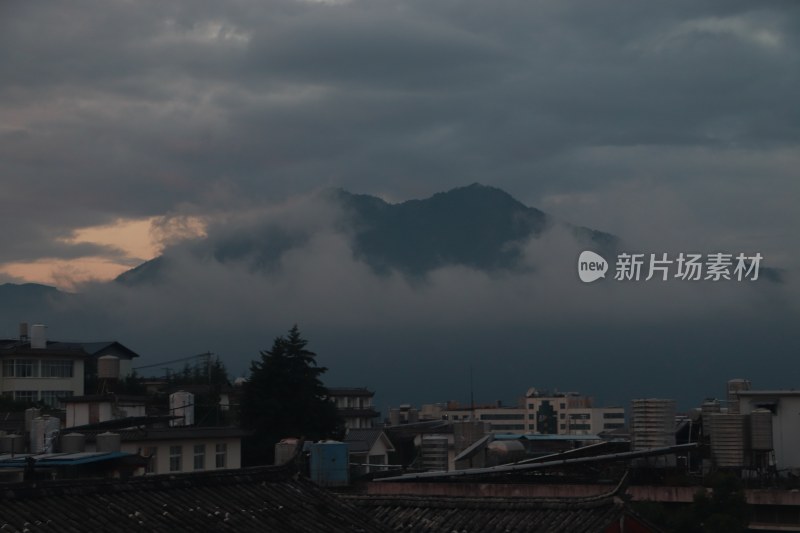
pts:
[135, 238]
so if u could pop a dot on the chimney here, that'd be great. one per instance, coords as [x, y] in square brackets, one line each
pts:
[23, 332]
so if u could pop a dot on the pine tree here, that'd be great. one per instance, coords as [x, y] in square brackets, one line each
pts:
[285, 397]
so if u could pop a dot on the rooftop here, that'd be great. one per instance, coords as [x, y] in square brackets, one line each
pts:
[254, 499]
[350, 391]
[486, 515]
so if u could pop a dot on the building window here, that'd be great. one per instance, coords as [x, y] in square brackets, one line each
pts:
[222, 455]
[175, 458]
[21, 368]
[152, 463]
[613, 415]
[50, 397]
[199, 456]
[26, 396]
[55, 368]
[502, 416]
[508, 427]
[562, 406]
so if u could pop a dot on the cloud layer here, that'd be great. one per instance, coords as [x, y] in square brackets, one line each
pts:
[673, 126]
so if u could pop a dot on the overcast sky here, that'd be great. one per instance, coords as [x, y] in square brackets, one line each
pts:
[126, 126]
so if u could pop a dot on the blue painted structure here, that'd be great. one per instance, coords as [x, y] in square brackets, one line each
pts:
[330, 463]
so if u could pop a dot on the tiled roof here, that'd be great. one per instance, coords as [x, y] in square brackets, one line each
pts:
[488, 515]
[171, 433]
[45, 460]
[71, 349]
[256, 499]
[94, 348]
[18, 347]
[355, 412]
[362, 439]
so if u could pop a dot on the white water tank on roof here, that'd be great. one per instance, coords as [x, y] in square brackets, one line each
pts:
[43, 433]
[108, 367]
[73, 443]
[109, 442]
[38, 336]
[181, 404]
[12, 444]
[30, 414]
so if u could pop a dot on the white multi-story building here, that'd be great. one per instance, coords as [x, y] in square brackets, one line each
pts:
[785, 408]
[34, 369]
[354, 405]
[545, 413]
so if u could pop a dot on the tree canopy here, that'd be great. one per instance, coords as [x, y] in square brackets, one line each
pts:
[285, 397]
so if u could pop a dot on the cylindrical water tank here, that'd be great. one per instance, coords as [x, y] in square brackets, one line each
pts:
[108, 367]
[181, 404]
[728, 439]
[108, 442]
[707, 409]
[43, 433]
[761, 430]
[652, 423]
[38, 337]
[285, 450]
[734, 387]
[12, 444]
[30, 414]
[73, 443]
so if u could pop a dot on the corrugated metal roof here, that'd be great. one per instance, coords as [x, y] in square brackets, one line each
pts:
[519, 467]
[60, 459]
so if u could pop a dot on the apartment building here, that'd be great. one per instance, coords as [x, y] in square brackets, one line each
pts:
[35, 369]
[550, 413]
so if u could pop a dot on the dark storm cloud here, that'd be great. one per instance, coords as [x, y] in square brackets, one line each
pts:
[132, 109]
[672, 125]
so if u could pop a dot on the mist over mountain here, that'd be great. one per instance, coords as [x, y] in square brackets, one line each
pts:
[478, 227]
[406, 297]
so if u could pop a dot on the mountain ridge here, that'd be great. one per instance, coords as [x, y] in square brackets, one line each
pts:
[477, 226]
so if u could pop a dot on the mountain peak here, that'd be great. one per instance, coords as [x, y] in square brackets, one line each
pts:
[477, 226]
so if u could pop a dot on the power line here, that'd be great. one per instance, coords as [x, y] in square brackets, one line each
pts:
[189, 358]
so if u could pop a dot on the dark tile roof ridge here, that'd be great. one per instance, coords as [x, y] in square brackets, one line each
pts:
[366, 434]
[161, 482]
[455, 502]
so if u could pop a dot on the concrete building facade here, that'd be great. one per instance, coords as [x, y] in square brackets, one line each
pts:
[545, 413]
